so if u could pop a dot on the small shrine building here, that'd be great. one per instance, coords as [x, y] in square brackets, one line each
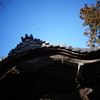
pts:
[38, 70]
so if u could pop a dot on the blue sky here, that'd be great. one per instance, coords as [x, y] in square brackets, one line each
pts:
[56, 21]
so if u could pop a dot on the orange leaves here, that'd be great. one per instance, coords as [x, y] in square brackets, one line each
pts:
[91, 16]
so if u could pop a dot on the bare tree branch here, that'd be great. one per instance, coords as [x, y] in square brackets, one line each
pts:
[2, 5]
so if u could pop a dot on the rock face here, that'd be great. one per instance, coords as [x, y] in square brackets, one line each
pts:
[38, 70]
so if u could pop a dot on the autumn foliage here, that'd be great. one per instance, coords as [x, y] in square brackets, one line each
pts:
[91, 16]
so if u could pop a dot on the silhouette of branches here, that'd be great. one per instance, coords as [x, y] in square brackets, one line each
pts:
[2, 3]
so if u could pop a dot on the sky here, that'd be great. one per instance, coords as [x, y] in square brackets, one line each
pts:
[56, 21]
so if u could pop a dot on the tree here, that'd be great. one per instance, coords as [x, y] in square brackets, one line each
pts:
[91, 16]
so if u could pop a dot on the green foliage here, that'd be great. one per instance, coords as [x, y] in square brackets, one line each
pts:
[91, 16]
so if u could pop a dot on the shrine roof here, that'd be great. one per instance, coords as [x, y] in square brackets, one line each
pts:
[30, 43]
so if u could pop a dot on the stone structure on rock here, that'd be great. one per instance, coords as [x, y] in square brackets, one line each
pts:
[38, 70]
